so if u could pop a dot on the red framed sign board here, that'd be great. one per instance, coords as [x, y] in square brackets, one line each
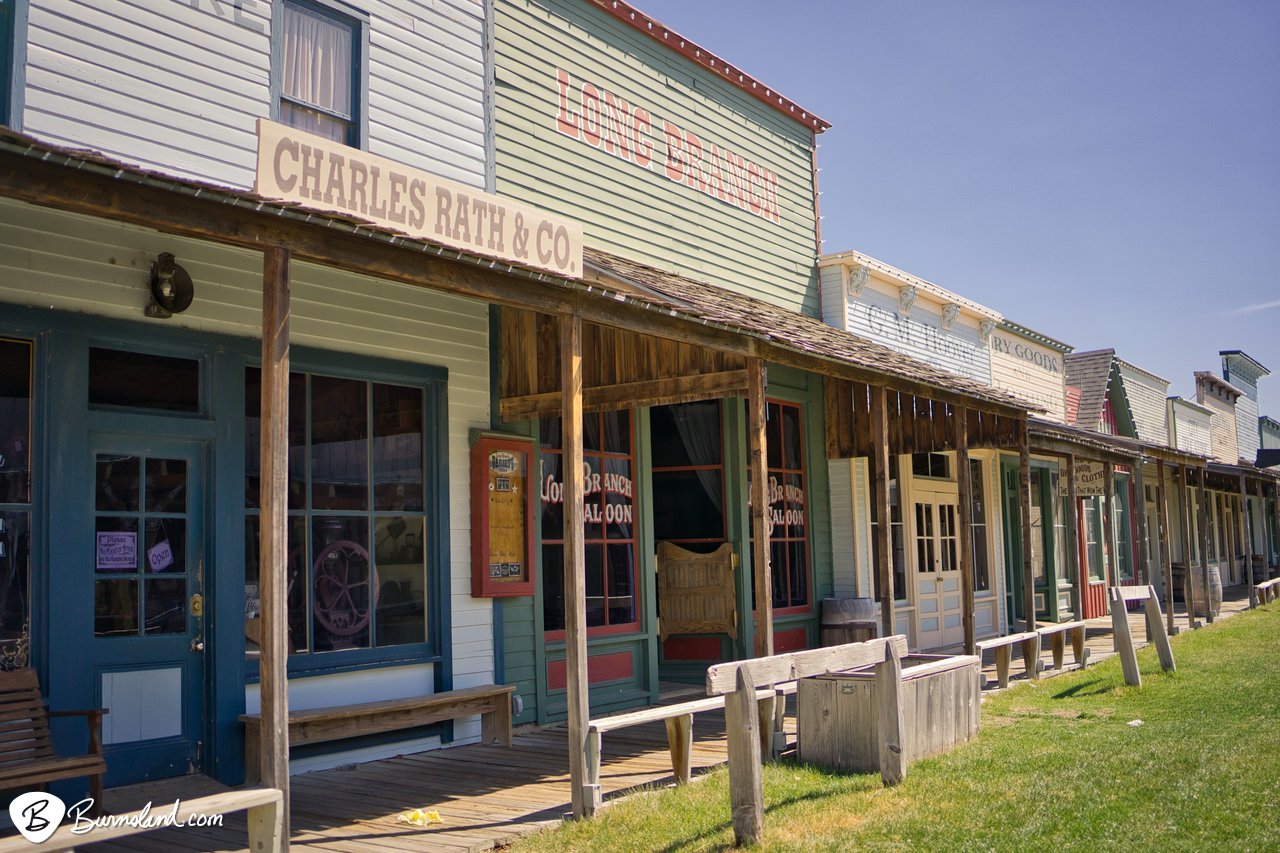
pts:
[502, 492]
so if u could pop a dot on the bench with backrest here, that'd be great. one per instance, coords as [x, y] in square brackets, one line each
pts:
[1057, 636]
[318, 725]
[1028, 641]
[739, 683]
[262, 804]
[1267, 591]
[27, 759]
[1119, 598]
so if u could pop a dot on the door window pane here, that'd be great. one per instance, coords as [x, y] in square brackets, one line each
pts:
[688, 475]
[166, 606]
[166, 485]
[117, 484]
[115, 608]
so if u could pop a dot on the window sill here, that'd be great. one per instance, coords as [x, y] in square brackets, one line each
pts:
[332, 663]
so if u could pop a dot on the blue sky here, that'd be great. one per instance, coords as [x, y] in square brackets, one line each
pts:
[1104, 171]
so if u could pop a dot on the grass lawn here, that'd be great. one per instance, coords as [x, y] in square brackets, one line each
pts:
[1057, 766]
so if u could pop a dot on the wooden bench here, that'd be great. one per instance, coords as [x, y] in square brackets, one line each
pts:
[739, 683]
[1057, 634]
[1028, 641]
[1267, 591]
[771, 708]
[318, 725]
[27, 759]
[262, 804]
[1119, 597]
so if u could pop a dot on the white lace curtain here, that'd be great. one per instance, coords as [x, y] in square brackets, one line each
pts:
[316, 59]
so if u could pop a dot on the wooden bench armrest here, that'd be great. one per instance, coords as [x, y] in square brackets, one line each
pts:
[88, 712]
[93, 719]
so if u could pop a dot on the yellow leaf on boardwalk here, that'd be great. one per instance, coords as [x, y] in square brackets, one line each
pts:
[418, 817]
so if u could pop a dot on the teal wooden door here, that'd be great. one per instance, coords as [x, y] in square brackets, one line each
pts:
[1011, 514]
[146, 581]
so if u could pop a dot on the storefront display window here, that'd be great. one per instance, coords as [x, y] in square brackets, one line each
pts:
[788, 506]
[15, 503]
[358, 526]
[609, 527]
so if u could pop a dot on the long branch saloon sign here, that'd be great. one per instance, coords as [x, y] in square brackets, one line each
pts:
[319, 173]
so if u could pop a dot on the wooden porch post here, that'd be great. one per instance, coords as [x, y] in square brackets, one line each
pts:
[961, 420]
[1142, 547]
[273, 548]
[1187, 521]
[758, 461]
[575, 578]
[1204, 544]
[1162, 518]
[884, 538]
[1028, 565]
[1262, 532]
[1073, 531]
[1246, 541]
[1108, 522]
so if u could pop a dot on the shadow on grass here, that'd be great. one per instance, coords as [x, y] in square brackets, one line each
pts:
[1076, 690]
[682, 843]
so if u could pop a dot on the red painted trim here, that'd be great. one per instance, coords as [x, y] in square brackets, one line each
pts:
[600, 668]
[694, 52]
[692, 648]
[792, 640]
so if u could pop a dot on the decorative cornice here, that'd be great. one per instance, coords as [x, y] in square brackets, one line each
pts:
[950, 313]
[985, 328]
[858, 276]
[907, 299]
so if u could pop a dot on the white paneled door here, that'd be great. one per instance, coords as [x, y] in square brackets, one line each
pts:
[939, 604]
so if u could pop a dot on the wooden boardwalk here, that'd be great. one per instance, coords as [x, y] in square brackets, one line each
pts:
[486, 795]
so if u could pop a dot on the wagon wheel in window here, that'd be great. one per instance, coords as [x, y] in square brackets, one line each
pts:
[343, 588]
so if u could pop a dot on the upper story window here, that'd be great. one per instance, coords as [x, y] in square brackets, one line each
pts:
[319, 71]
[8, 50]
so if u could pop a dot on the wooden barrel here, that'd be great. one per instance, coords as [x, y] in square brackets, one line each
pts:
[848, 620]
[1214, 598]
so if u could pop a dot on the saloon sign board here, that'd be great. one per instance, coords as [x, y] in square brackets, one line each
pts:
[322, 174]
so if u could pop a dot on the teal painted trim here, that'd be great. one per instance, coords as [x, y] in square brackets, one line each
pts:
[1011, 521]
[647, 558]
[13, 62]
[224, 578]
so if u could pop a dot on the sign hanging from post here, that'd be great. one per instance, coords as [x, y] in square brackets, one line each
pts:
[1091, 480]
[326, 175]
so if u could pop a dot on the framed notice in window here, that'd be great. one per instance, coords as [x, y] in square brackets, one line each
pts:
[502, 491]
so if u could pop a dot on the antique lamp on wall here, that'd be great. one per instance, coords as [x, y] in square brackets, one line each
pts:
[171, 288]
